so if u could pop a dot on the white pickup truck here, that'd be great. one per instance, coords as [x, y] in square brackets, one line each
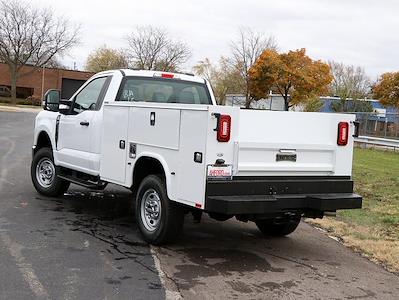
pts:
[163, 136]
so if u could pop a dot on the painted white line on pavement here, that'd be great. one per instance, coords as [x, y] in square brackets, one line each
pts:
[171, 290]
[24, 267]
[70, 283]
[4, 171]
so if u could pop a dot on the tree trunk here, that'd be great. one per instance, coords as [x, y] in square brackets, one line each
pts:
[286, 102]
[14, 75]
[248, 101]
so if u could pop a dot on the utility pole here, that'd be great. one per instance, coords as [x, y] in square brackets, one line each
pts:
[43, 68]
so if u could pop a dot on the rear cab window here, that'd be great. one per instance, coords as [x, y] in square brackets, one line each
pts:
[159, 90]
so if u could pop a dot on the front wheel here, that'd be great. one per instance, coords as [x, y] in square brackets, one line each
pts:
[159, 219]
[44, 174]
[276, 227]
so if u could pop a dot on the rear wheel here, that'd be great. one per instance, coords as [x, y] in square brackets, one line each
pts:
[44, 174]
[276, 227]
[159, 219]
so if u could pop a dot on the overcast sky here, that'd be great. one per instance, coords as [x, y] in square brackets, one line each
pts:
[358, 32]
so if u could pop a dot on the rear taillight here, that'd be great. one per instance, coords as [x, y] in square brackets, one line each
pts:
[224, 128]
[343, 133]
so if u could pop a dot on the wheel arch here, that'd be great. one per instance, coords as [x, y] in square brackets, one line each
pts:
[150, 164]
[42, 140]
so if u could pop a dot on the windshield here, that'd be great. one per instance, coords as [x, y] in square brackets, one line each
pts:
[163, 91]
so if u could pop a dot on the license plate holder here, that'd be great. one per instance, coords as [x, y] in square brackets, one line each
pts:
[219, 172]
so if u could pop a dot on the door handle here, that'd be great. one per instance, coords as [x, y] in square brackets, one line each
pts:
[152, 118]
[84, 123]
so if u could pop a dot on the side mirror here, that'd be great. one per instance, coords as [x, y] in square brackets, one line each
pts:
[65, 107]
[51, 100]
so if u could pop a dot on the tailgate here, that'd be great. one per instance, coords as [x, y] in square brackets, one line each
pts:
[273, 143]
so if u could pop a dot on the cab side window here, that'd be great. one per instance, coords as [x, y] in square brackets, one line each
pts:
[89, 97]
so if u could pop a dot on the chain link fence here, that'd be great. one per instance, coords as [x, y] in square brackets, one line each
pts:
[383, 125]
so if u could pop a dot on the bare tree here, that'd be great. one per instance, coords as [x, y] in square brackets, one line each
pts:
[352, 83]
[349, 81]
[205, 69]
[246, 50]
[55, 64]
[150, 48]
[104, 58]
[30, 35]
[224, 77]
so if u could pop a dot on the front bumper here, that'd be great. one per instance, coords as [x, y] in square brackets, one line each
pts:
[278, 195]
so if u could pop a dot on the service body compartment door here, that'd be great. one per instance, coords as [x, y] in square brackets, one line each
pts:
[191, 172]
[155, 127]
[114, 143]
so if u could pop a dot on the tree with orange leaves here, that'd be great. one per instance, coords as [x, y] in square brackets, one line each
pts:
[387, 89]
[294, 75]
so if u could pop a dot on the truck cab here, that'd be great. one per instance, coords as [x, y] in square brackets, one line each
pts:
[162, 135]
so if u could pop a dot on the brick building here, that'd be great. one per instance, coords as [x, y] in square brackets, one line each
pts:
[39, 80]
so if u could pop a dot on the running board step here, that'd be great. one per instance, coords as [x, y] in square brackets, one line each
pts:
[85, 183]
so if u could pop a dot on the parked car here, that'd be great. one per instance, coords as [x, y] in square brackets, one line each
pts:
[5, 91]
[163, 136]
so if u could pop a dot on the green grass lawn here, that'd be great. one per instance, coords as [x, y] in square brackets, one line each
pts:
[7, 100]
[20, 101]
[374, 229]
[376, 176]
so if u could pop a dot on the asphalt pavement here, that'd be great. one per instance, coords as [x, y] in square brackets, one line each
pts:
[86, 245]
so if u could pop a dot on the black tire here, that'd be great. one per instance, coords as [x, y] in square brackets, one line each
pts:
[272, 227]
[168, 225]
[56, 186]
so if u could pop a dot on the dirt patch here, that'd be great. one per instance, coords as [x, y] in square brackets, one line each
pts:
[369, 242]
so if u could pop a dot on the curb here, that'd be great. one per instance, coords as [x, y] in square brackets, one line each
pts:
[19, 109]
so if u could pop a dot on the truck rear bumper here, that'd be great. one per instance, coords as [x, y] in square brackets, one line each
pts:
[279, 195]
[258, 204]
